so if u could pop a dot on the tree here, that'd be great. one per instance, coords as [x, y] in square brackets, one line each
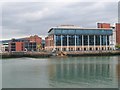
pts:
[118, 46]
[39, 47]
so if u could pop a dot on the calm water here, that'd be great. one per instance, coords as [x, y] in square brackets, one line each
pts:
[72, 72]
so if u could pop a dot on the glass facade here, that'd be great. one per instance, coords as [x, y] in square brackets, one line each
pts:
[64, 39]
[103, 40]
[81, 37]
[85, 39]
[91, 40]
[97, 40]
[58, 40]
[78, 40]
[81, 31]
[71, 40]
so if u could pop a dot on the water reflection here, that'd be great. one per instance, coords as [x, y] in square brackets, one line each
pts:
[84, 72]
[72, 72]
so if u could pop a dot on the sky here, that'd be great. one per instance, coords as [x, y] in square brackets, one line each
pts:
[21, 19]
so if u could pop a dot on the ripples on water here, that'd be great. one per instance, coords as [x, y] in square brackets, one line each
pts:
[72, 72]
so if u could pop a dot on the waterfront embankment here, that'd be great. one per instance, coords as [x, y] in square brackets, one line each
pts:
[25, 54]
[61, 54]
[94, 53]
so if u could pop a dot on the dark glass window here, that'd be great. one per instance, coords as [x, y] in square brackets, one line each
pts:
[64, 39]
[71, 40]
[91, 40]
[97, 40]
[13, 49]
[85, 39]
[58, 40]
[79, 40]
[103, 40]
[107, 40]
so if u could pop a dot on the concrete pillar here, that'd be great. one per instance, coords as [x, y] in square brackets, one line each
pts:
[67, 42]
[94, 42]
[61, 42]
[75, 42]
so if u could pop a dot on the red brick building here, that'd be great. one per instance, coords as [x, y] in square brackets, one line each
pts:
[35, 38]
[32, 43]
[49, 42]
[16, 46]
[103, 25]
[118, 33]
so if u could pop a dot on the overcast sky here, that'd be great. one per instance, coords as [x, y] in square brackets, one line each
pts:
[20, 19]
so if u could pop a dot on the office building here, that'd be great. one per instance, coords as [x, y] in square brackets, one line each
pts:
[74, 38]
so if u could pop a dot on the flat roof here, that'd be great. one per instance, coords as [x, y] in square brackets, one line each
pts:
[70, 28]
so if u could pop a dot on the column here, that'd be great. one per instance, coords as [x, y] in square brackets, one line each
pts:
[94, 42]
[54, 42]
[100, 42]
[75, 42]
[67, 42]
[106, 42]
[88, 42]
[61, 42]
[82, 43]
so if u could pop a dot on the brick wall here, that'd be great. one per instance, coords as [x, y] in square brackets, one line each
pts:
[103, 25]
[118, 33]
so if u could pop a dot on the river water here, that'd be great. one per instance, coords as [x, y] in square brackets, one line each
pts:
[68, 72]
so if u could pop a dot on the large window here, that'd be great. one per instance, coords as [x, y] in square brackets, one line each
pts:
[79, 40]
[58, 40]
[97, 40]
[85, 39]
[64, 39]
[108, 40]
[71, 40]
[91, 40]
[103, 40]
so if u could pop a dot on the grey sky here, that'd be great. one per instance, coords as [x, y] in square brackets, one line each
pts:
[29, 18]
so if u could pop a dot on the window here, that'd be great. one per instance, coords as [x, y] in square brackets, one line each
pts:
[64, 39]
[103, 40]
[58, 40]
[78, 40]
[107, 40]
[97, 40]
[71, 40]
[85, 40]
[91, 40]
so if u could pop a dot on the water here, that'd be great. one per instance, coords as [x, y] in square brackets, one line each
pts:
[72, 72]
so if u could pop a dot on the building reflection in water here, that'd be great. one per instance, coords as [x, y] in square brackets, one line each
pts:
[84, 72]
